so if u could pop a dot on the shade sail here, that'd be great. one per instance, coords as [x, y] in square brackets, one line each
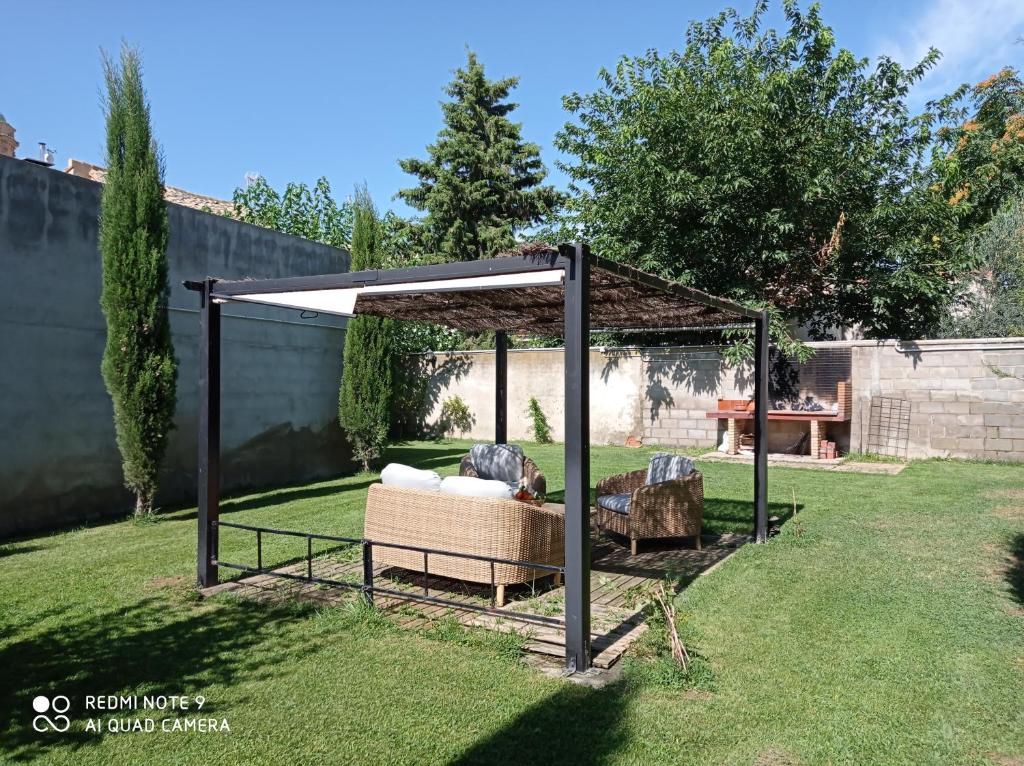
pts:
[343, 301]
[521, 291]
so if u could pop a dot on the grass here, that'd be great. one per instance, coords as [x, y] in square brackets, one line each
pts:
[872, 457]
[885, 624]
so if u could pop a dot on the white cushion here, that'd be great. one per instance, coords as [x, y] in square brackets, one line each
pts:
[471, 486]
[398, 475]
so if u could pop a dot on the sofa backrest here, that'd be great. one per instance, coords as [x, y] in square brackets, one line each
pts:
[498, 462]
[665, 466]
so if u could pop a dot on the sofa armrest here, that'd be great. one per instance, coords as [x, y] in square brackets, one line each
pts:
[623, 482]
[533, 478]
[466, 467]
[675, 495]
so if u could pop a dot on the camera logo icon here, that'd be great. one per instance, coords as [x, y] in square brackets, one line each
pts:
[58, 706]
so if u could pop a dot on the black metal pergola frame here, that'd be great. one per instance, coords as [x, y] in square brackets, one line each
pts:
[576, 262]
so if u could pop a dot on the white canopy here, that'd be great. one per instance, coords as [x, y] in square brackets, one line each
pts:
[342, 301]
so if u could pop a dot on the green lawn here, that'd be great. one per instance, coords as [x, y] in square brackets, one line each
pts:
[885, 624]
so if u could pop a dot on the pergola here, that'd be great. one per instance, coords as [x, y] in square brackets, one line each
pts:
[537, 289]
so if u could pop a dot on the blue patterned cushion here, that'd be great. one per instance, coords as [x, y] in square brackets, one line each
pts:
[665, 466]
[498, 462]
[616, 503]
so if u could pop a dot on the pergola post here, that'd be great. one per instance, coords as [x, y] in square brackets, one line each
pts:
[761, 427]
[577, 457]
[209, 435]
[500, 387]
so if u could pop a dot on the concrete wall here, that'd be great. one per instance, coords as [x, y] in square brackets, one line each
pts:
[958, 406]
[616, 406]
[658, 394]
[679, 386]
[59, 463]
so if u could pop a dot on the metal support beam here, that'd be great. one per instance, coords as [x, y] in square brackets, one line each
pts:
[209, 435]
[500, 387]
[577, 457]
[761, 428]
[480, 268]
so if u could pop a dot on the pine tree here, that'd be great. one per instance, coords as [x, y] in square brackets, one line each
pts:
[481, 182]
[138, 367]
[364, 403]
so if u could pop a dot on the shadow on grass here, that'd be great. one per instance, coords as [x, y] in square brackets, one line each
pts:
[576, 725]
[418, 457]
[1015, 570]
[13, 549]
[284, 496]
[153, 646]
[723, 515]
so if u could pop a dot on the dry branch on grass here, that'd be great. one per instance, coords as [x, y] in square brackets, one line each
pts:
[668, 609]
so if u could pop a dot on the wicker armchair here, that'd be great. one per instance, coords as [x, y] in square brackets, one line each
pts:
[673, 508]
[480, 526]
[532, 477]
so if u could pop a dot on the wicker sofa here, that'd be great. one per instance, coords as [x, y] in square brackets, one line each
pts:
[491, 527]
[672, 508]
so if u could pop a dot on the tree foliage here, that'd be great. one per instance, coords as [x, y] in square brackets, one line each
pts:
[983, 165]
[991, 303]
[772, 168]
[364, 402]
[298, 210]
[481, 182]
[138, 366]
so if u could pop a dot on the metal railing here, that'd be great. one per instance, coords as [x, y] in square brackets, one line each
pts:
[368, 586]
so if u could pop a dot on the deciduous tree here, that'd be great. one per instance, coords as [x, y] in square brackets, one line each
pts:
[983, 164]
[308, 213]
[771, 167]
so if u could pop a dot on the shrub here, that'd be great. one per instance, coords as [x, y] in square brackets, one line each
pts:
[539, 426]
[455, 415]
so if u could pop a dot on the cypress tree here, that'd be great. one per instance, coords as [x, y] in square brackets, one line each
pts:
[364, 403]
[138, 367]
[481, 182]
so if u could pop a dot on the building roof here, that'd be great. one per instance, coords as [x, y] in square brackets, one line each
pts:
[520, 291]
[171, 193]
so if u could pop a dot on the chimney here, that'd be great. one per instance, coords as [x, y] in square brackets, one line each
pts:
[45, 154]
[8, 143]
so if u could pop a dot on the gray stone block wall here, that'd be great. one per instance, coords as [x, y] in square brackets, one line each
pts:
[59, 463]
[959, 405]
[679, 387]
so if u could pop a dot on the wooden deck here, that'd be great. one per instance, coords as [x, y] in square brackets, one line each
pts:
[616, 577]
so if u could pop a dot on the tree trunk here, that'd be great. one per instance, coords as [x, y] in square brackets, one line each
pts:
[143, 504]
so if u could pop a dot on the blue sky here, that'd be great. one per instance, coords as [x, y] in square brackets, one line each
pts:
[302, 89]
